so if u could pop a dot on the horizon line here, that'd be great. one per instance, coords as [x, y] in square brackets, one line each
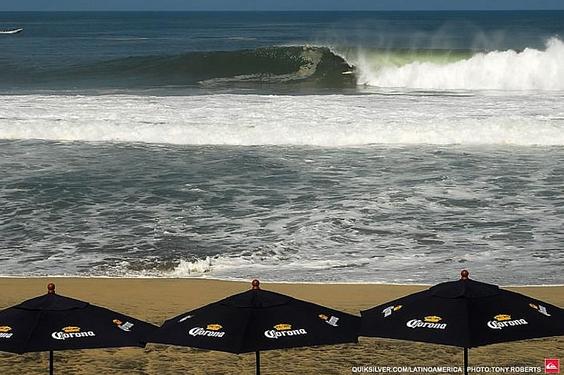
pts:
[276, 10]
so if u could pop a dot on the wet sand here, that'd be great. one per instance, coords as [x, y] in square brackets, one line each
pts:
[155, 300]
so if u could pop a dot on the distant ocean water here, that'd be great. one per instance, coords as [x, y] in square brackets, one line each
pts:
[363, 147]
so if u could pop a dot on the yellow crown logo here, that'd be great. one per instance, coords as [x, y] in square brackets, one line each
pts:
[534, 306]
[323, 317]
[502, 317]
[71, 329]
[117, 322]
[283, 327]
[4, 329]
[214, 327]
[396, 308]
[433, 319]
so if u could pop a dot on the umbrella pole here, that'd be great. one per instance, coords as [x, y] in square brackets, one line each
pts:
[257, 355]
[465, 361]
[50, 362]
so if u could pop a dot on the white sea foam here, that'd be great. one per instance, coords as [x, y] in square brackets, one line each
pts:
[318, 120]
[186, 268]
[530, 69]
[245, 267]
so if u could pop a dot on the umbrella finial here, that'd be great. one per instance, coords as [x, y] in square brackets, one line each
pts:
[464, 275]
[50, 288]
[255, 284]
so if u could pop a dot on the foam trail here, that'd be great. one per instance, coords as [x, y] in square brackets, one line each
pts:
[530, 69]
[318, 120]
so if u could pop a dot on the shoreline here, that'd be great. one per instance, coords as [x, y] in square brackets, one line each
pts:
[156, 300]
[235, 280]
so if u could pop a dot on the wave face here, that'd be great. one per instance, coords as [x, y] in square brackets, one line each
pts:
[529, 69]
[318, 120]
[298, 65]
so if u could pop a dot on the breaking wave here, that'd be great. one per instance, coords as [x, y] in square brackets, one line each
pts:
[300, 65]
[307, 66]
[530, 69]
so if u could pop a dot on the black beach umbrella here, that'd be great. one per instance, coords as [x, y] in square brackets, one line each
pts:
[258, 320]
[52, 322]
[464, 313]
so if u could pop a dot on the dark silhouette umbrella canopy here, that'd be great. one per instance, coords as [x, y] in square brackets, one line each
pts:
[52, 322]
[464, 313]
[258, 320]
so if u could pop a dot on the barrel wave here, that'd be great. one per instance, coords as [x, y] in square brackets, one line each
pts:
[295, 65]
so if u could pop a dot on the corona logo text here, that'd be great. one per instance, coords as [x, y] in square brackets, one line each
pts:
[504, 320]
[284, 330]
[211, 330]
[5, 332]
[431, 321]
[71, 332]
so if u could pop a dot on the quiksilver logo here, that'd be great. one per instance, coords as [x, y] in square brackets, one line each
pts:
[199, 331]
[71, 332]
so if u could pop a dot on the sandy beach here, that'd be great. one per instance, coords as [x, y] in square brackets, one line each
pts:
[155, 300]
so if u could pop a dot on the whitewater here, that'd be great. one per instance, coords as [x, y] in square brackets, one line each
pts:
[316, 120]
[499, 97]
[529, 69]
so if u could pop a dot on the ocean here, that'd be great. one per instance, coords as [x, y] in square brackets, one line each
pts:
[392, 147]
